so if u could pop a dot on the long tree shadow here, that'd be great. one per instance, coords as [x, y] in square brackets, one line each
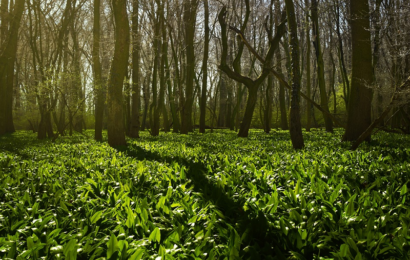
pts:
[252, 225]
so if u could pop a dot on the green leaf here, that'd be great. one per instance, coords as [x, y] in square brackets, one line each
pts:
[112, 246]
[63, 206]
[12, 251]
[358, 256]
[96, 217]
[344, 250]
[138, 254]
[350, 206]
[297, 188]
[130, 218]
[30, 243]
[403, 190]
[352, 244]
[70, 249]
[155, 235]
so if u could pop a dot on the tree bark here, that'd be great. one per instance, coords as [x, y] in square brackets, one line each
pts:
[282, 99]
[98, 84]
[320, 66]
[362, 75]
[7, 62]
[190, 9]
[308, 78]
[295, 125]
[204, 70]
[136, 89]
[116, 134]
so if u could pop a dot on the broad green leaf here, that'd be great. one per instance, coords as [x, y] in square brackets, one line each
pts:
[112, 246]
[96, 217]
[403, 190]
[138, 254]
[344, 250]
[155, 235]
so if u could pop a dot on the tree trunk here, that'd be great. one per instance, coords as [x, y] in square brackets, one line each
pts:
[362, 76]
[268, 108]
[295, 125]
[98, 84]
[346, 83]
[282, 99]
[250, 107]
[136, 90]
[7, 61]
[116, 135]
[252, 85]
[399, 97]
[190, 7]
[320, 66]
[176, 126]
[308, 79]
[204, 71]
[223, 98]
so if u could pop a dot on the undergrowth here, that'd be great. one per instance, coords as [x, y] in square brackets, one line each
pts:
[204, 196]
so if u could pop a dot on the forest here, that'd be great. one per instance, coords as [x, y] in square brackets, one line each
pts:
[204, 129]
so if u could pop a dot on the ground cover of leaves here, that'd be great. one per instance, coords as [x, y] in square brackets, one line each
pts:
[210, 196]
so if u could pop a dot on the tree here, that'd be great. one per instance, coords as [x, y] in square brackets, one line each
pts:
[251, 85]
[308, 80]
[190, 10]
[320, 66]
[116, 133]
[7, 61]
[204, 70]
[295, 125]
[360, 98]
[98, 84]
[282, 99]
[136, 90]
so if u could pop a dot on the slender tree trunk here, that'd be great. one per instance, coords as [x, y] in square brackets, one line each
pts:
[223, 98]
[127, 104]
[136, 90]
[162, 81]
[190, 7]
[171, 91]
[268, 108]
[295, 125]
[308, 78]
[154, 120]
[146, 96]
[376, 47]
[250, 107]
[320, 66]
[362, 75]
[98, 84]
[346, 83]
[204, 71]
[282, 99]
[116, 134]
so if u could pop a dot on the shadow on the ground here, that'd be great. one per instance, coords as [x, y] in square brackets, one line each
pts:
[251, 225]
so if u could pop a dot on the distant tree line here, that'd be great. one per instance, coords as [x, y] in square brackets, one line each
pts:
[132, 65]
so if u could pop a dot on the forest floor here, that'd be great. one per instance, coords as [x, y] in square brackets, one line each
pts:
[204, 196]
